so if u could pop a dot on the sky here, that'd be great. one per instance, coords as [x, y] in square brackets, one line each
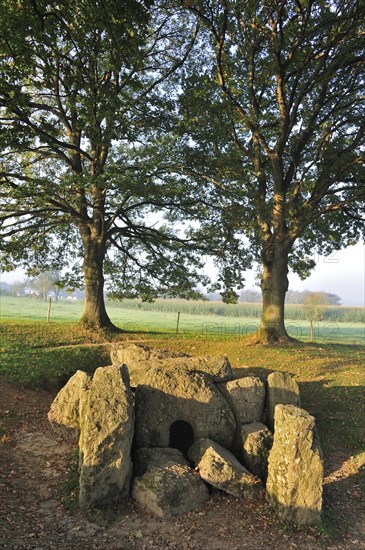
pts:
[343, 274]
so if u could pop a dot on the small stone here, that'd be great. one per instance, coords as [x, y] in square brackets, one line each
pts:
[282, 389]
[256, 444]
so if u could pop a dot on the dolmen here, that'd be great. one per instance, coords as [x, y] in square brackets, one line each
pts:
[168, 429]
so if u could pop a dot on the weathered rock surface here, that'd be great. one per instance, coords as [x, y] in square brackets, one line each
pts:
[283, 389]
[295, 473]
[246, 396]
[165, 484]
[256, 444]
[65, 409]
[138, 353]
[139, 359]
[107, 425]
[174, 395]
[222, 470]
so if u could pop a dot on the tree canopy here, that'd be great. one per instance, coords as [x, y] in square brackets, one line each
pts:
[121, 119]
[275, 112]
[85, 169]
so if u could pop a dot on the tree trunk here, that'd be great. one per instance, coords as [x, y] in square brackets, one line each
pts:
[94, 315]
[274, 284]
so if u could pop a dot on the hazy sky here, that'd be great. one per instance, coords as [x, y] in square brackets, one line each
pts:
[343, 274]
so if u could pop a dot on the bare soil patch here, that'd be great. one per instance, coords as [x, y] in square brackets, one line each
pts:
[34, 514]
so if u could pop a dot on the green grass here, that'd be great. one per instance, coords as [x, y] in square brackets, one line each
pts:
[332, 376]
[141, 319]
[331, 370]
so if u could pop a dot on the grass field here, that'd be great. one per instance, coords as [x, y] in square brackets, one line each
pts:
[332, 375]
[206, 326]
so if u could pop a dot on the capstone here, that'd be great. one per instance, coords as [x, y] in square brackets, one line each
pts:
[140, 359]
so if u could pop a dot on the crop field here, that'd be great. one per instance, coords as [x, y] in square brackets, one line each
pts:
[205, 320]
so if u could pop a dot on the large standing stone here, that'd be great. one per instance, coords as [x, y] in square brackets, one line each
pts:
[176, 396]
[139, 359]
[65, 409]
[165, 484]
[294, 484]
[246, 397]
[256, 444]
[107, 424]
[221, 469]
[282, 389]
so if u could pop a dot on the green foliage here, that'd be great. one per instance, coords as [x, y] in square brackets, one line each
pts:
[85, 169]
[314, 306]
[274, 109]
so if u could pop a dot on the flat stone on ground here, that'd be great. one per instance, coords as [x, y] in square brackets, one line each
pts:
[165, 484]
[222, 470]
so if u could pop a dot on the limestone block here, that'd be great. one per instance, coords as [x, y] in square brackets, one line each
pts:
[295, 472]
[222, 470]
[174, 395]
[107, 425]
[165, 484]
[246, 396]
[283, 389]
[139, 359]
[256, 444]
[65, 409]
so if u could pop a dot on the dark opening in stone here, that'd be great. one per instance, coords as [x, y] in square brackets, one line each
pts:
[181, 436]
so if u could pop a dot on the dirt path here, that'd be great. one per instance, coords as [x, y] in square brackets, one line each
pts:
[33, 513]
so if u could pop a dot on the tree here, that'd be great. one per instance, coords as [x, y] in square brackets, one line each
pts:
[314, 306]
[275, 112]
[46, 282]
[85, 170]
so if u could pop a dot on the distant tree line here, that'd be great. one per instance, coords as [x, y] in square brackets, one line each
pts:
[292, 297]
[43, 286]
